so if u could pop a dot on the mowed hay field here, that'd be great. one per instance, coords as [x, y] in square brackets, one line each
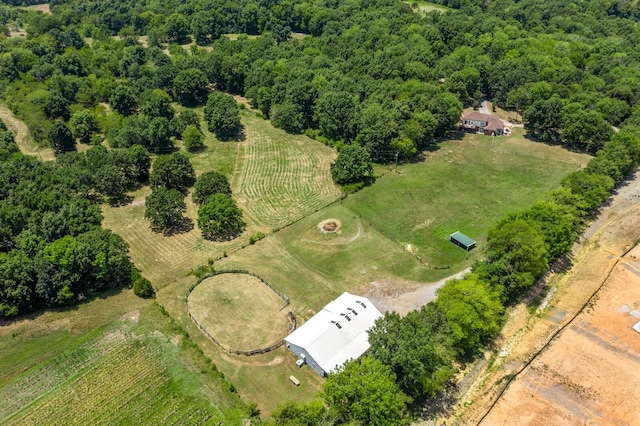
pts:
[239, 311]
[283, 177]
[466, 185]
[135, 370]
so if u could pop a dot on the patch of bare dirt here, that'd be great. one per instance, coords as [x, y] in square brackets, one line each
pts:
[330, 226]
[591, 373]
[133, 316]
[393, 296]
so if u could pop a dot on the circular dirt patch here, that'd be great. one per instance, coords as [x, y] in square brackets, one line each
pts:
[239, 311]
[330, 226]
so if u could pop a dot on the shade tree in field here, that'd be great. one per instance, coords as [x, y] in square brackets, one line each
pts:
[352, 166]
[172, 172]
[164, 209]
[222, 116]
[192, 138]
[219, 218]
[183, 119]
[208, 184]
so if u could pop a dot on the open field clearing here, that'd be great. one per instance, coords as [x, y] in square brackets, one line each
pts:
[466, 185]
[284, 177]
[311, 267]
[218, 156]
[41, 7]
[162, 259]
[35, 338]
[426, 7]
[588, 373]
[239, 311]
[23, 138]
[133, 371]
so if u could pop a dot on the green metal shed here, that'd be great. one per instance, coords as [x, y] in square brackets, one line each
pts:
[459, 239]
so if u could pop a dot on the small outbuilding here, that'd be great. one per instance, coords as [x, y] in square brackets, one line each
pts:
[461, 240]
[336, 334]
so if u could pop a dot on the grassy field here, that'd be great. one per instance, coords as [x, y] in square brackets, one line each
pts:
[163, 259]
[426, 7]
[283, 177]
[239, 311]
[102, 364]
[467, 186]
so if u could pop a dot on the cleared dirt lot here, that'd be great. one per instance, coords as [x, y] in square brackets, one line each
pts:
[590, 374]
[588, 368]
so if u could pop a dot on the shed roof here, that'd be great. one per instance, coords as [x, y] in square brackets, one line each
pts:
[329, 345]
[462, 239]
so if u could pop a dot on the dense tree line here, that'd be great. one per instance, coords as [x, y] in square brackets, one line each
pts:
[53, 251]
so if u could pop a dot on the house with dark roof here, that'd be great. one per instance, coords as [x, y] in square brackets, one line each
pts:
[478, 122]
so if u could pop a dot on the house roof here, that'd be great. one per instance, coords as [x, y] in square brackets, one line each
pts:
[329, 345]
[462, 239]
[493, 122]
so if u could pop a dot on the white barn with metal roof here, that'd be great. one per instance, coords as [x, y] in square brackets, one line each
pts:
[337, 333]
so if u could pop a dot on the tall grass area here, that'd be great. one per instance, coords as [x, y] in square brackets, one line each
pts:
[466, 185]
[139, 368]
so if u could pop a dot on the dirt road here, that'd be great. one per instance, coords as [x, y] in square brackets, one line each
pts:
[577, 377]
[23, 139]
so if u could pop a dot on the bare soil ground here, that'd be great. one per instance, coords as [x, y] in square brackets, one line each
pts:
[591, 373]
[23, 139]
[588, 374]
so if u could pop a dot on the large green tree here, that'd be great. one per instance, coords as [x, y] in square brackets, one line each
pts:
[164, 208]
[83, 125]
[208, 184]
[190, 86]
[473, 311]
[172, 172]
[352, 166]
[417, 347]
[222, 115]
[365, 392]
[219, 218]
[516, 256]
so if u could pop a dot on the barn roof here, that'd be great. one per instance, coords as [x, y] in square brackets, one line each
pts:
[338, 332]
[462, 239]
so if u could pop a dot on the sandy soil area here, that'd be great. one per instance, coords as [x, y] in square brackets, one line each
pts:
[588, 358]
[590, 374]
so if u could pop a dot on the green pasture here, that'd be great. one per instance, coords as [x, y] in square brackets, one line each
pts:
[137, 369]
[465, 185]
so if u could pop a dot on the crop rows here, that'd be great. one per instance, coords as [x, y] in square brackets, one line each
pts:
[22, 391]
[284, 181]
[130, 384]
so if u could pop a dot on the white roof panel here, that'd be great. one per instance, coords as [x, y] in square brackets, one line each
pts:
[338, 332]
